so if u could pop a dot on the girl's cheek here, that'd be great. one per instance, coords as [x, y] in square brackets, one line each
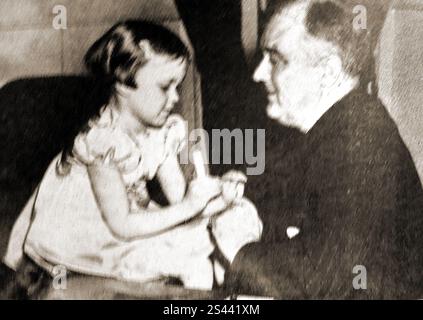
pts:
[164, 101]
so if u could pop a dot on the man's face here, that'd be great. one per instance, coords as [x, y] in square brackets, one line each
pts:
[289, 71]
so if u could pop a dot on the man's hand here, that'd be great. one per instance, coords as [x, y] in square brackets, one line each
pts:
[235, 176]
[233, 185]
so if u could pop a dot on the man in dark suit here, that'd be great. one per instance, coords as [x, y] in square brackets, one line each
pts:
[346, 221]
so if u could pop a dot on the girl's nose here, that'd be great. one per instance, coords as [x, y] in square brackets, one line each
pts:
[173, 98]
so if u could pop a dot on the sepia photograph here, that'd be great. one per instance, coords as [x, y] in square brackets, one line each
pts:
[211, 150]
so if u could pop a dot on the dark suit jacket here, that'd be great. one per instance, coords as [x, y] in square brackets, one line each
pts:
[352, 188]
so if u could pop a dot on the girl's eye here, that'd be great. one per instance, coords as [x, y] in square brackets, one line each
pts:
[165, 88]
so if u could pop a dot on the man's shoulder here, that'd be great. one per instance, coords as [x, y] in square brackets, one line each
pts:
[361, 136]
[365, 129]
[372, 116]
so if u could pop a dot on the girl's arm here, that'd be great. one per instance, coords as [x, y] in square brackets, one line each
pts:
[172, 180]
[111, 197]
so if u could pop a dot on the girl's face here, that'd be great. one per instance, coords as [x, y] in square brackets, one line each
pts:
[157, 92]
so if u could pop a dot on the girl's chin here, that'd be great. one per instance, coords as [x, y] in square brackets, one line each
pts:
[160, 120]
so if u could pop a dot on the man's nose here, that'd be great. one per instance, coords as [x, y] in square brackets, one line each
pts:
[262, 72]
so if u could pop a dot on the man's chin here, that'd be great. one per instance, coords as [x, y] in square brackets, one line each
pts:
[279, 114]
[274, 111]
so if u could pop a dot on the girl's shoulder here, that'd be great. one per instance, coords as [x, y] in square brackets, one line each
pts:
[102, 141]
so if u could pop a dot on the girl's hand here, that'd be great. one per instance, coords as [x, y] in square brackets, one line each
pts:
[233, 185]
[214, 207]
[202, 190]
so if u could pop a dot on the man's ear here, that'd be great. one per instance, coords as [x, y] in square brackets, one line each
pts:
[333, 71]
[146, 48]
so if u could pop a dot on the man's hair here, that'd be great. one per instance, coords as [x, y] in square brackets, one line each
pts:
[332, 20]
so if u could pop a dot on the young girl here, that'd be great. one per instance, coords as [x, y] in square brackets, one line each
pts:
[92, 212]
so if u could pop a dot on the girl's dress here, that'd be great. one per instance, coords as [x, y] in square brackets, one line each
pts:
[67, 227]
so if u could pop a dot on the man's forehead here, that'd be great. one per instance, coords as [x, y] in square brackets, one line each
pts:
[289, 22]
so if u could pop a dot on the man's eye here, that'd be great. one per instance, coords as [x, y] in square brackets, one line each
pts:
[278, 60]
[274, 61]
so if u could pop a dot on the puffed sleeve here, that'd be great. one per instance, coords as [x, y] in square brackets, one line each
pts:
[97, 146]
[176, 134]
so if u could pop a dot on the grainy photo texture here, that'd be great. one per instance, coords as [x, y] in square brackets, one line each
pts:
[211, 149]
